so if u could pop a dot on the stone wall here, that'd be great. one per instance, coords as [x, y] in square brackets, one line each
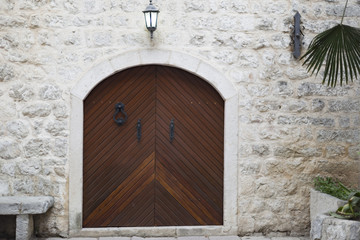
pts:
[292, 128]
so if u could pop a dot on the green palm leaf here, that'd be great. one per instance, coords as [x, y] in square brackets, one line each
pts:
[339, 47]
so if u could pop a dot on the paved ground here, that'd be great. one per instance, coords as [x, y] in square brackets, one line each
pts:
[186, 238]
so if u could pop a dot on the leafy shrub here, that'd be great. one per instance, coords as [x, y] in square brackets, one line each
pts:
[332, 187]
[351, 210]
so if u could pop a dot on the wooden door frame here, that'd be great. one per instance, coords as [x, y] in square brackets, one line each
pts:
[168, 58]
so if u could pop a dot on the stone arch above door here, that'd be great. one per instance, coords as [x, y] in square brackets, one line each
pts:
[161, 57]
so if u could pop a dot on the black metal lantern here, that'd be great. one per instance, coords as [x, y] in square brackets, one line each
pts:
[151, 16]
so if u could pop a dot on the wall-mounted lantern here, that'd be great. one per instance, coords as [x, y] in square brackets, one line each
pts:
[151, 16]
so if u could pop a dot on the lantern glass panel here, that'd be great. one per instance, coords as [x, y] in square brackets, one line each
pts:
[153, 19]
[148, 19]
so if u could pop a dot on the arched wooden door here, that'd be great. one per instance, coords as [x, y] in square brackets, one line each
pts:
[164, 166]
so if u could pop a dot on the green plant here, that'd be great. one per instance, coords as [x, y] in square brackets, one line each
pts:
[339, 47]
[332, 187]
[351, 210]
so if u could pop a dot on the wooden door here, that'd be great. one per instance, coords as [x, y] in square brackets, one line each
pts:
[154, 181]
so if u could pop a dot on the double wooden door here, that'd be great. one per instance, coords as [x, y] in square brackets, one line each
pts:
[164, 165]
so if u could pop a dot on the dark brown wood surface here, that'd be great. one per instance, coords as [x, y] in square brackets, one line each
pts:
[153, 182]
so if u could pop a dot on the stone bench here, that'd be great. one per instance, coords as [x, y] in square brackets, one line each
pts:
[24, 208]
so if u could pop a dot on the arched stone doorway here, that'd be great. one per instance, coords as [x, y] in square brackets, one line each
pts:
[160, 57]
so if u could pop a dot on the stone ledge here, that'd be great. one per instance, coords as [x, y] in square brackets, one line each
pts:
[15, 205]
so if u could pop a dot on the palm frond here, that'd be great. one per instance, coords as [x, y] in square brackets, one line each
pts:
[339, 47]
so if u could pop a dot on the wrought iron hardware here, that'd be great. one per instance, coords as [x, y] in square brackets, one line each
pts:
[119, 107]
[297, 35]
[138, 127]
[172, 125]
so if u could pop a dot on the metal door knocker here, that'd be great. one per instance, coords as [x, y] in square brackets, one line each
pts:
[119, 107]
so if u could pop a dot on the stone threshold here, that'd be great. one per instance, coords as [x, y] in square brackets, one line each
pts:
[185, 238]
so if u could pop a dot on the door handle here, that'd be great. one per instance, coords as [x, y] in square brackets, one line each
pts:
[138, 128]
[172, 126]
[119, 107]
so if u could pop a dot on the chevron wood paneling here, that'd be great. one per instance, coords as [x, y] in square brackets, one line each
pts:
[191, 167]
[153, 182]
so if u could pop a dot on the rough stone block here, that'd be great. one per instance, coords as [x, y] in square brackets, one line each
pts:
[326, 122]
[37, 110]
[57, 128]
[50, 92]
[29, 167]
[261, 150]
[9, 168]
[344, 106]
[20, 92]
[194, 6]
[9, 149]
[37, 147]
[224, 238]
[335, 151]
[13, 21]
[7, 110]
[326, 227]
[114, 238]
[299, 120]
[18, 129]
[267, 105]
[60, 110]
[249, 59]
[285, 238]
[316, 226]
[344, 122]
[312, 89]
[60, 147]
[102, 39]
[255, 238]
[54, 21]
[348, 136]
[317, 105]
[292, 106]
[258, 90]
[354, 152]
[337, 10]
[193, 238]
[293, 120]
[4, 188]
[6, 73]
